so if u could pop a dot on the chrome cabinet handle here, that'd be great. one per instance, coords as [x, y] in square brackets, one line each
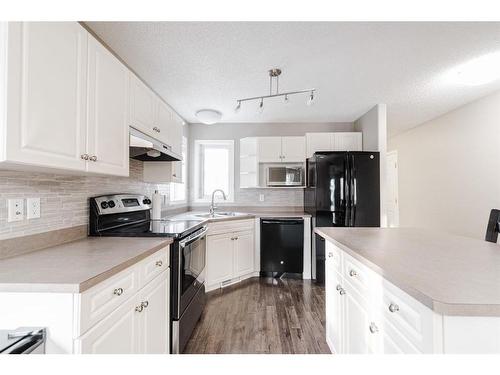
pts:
[93, 158]
[156, 129]
[330, 255]
[159, 263]
[118, 291]
[393, 307]
[174, 175]
[339, 287]
[139, 308]
[84, 156]
[373, 327]
[353, 273]
[145, 304]
[342, 291]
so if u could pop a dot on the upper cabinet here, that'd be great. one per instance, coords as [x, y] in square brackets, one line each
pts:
[107, 127]
[341, 141]
[46, 74]
[281, 149]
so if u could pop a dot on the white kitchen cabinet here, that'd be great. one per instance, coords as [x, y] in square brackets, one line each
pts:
[334, 308]
[269, 149]
[293, 149]
[107, 128]
[46, 95]
[249, 164]
[244, 250]
[176, 133]
[220, 258]
[335, 141]
[230, 252]
[143, 107]
[160, 172]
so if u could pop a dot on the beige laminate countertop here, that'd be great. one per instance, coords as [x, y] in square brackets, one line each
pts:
[75, 266]
[452, 275]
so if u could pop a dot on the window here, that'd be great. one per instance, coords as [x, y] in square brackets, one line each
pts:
[214, 168]
[177, 190]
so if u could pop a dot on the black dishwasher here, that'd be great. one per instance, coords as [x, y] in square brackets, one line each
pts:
[281, 246]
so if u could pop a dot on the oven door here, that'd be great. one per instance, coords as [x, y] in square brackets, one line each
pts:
[191, 268]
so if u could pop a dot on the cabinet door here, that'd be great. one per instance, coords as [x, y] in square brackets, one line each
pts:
[359, 339]
[47, 85]
[118, 333]
[107, 126]
[349, 141]
[155, 321]
[165, 124]
[244, 253]
[176, 134]
[293, 149]
[143, 107]
[318, 142]
[269, 149]
[333, 308]
[177, 172]
[219, 258]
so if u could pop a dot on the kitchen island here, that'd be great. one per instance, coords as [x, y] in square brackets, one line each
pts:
[409, 290]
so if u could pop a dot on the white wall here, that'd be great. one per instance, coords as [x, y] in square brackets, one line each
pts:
[250, 197]
[373, 125]
[449, 169]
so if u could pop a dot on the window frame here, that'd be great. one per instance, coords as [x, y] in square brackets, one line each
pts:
[199, 144]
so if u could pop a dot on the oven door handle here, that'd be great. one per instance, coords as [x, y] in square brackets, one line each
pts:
[187, 241]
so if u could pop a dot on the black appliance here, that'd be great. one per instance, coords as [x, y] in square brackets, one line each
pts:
[23, 340]
[281, 246]
[343, 190]
[128, 215]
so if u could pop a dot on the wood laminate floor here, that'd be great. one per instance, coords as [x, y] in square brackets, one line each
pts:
[263, 315]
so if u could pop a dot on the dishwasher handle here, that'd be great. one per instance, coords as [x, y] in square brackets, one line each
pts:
[293, 221]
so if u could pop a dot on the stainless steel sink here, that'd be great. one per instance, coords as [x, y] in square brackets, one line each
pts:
[220, 215]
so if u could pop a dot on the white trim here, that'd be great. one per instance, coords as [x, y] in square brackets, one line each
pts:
[198, 173]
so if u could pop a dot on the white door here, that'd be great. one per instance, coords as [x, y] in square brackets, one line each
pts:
[357, 321]
[143, 107]
[349, 141]
[269, 149]
[219, 258]
[47, 86]
[333, 308]
[155, 321]
[318, 142]
[244, 253]
[392, 199]
[118, 333]
[107, 128]
[293, 149]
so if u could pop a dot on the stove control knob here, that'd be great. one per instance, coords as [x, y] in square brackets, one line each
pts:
[104, 205]
[111, 204]
[146, 201]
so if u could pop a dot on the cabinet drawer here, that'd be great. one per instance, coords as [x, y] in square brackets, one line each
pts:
[97, 302]
[363, 279]
[230, 226]
[153, 265]
[408, 316]
[333, 257]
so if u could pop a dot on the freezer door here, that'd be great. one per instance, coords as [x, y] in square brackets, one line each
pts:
[364, 189]
[330, 174]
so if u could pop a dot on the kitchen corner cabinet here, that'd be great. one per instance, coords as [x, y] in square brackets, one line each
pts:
[338, 141]
[281, 149]
[230, 252]
[161, 172]
[64, 96]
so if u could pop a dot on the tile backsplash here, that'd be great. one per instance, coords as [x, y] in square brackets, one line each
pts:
[64, 198]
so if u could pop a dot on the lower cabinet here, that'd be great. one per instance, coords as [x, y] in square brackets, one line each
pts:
[139, 325]
[230, 258]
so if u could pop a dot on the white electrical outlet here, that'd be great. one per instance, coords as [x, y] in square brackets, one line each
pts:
[33, 208]
[16, 209]
[261, 197]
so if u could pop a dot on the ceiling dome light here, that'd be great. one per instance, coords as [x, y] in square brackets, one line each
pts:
[310, 99]
[208, 116]
[478, 71]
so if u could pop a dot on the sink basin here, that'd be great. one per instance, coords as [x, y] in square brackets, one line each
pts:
[220, 215]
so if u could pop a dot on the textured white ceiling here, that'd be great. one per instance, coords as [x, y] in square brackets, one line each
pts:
[353, 66]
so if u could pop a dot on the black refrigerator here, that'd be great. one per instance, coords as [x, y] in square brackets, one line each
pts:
[343, 190]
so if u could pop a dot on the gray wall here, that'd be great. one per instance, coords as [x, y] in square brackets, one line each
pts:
[250, 197]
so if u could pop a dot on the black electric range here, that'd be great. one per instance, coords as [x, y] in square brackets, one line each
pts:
[129, 215]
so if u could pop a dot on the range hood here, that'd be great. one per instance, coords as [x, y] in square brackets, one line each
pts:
[146, 148]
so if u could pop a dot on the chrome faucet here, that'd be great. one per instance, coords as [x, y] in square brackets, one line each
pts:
[212, 205]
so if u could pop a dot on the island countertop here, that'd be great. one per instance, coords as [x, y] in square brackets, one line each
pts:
[75, 266]
[452, 275]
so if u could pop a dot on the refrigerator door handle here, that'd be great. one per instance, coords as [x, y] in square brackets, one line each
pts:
[347, 193]
[353, 191]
